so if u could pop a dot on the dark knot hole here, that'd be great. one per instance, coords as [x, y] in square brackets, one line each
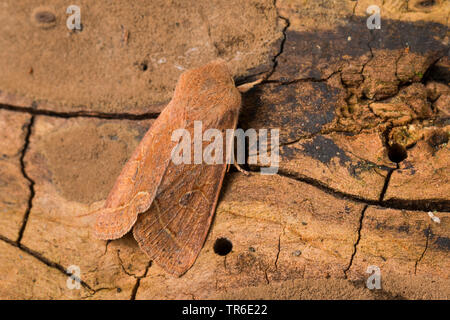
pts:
[397, 153]
[223, 246]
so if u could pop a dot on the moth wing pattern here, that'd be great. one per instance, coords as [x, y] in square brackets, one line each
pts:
[171, 205]
[135, 188]
[173, 231]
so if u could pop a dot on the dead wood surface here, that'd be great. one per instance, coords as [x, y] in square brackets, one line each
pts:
[349, 102]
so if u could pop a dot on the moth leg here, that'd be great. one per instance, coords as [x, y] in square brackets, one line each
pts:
[236, 164]
[248, 86]
[240, 169]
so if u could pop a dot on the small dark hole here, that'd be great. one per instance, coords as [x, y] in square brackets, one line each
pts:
[397, 153]
[223, 246]
[143, 66]
[427, 3]
[45, 17]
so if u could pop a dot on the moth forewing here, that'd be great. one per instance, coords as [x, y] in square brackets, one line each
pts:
[135, 189]
[181, 197]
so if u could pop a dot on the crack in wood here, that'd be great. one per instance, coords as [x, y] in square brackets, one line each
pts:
[138, 282]
[355, 245]
[428, 232]
[28, 178]
[283, 41]
[80, 114]
[43, 260]
[394, 203]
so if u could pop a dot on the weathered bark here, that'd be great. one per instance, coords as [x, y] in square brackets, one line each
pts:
[350, 104]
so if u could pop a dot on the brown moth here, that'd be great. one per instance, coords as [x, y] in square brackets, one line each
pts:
[169, 206]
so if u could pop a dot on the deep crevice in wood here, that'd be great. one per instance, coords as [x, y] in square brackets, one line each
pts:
[394, 203]
[80, 114]
[31, 182]
[358, 238]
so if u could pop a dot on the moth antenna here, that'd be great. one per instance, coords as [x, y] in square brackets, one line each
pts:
[88, 213]
[94, 212]
[248, 86]
[63, 222]
[112, 209]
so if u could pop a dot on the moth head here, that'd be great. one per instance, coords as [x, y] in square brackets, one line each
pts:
[209, 78]
[207, 92]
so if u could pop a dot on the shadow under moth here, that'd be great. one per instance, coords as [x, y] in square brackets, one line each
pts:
[169, 206]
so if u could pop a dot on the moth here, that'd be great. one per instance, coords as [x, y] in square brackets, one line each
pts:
[169, 206]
